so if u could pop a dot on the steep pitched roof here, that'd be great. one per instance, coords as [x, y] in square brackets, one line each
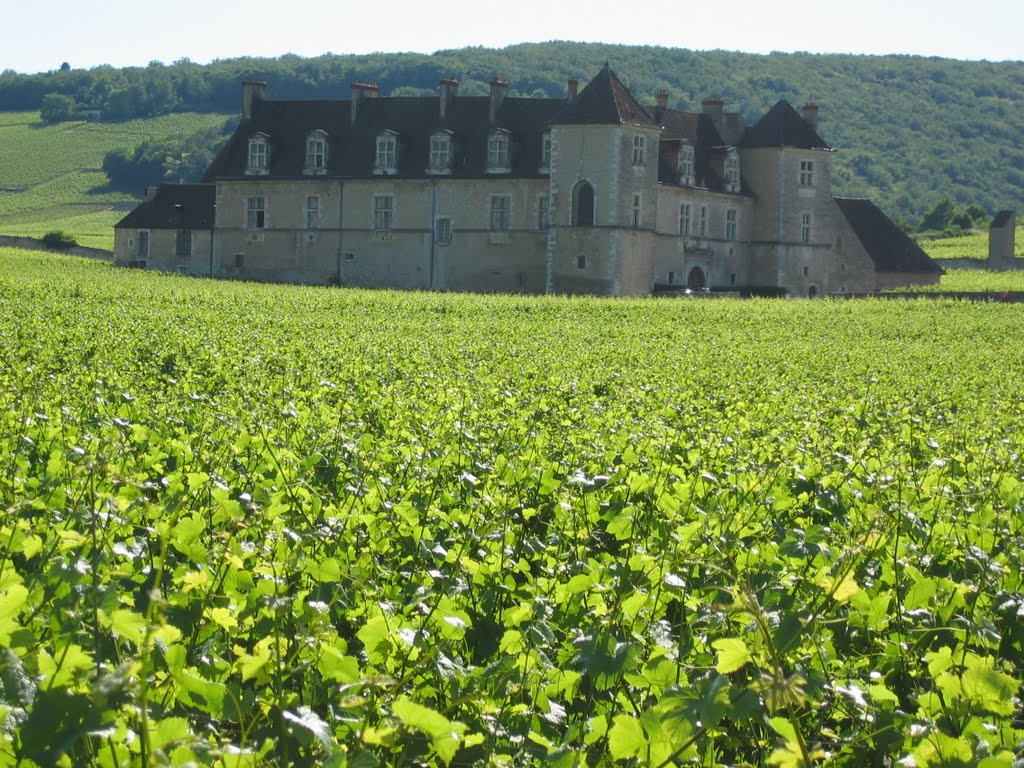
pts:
[782, 126]
[351, 146]
[888, 246]
[175, 206]
[604, 101]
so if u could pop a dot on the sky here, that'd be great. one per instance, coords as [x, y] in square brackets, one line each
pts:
[40, 36]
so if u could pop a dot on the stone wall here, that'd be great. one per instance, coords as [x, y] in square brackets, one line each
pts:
[34, 244]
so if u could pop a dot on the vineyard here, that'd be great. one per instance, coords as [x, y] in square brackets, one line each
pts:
[256, 525]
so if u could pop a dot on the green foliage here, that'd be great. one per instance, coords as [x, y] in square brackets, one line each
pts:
[906, 125]
[270, 525]
[949, 220]
[168, 159]
[59, 240]
[966, 246]
[56, 108]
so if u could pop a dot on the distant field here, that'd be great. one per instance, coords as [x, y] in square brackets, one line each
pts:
[51, 177]
[967, 247]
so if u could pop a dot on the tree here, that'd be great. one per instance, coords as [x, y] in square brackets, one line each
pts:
[56, 108]
[939, 217]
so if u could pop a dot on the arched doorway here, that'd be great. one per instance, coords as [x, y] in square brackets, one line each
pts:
[583, 205]
[696, 280]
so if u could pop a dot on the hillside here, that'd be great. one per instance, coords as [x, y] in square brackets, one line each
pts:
[51, 177]
[910, 129]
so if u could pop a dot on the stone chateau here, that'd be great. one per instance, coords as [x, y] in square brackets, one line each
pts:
[591, 193]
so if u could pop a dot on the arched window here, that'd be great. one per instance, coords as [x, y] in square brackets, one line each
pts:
[316, 152]
[583, 205]
[696, 280]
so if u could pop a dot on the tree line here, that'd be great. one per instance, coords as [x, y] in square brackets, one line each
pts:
[909, 128]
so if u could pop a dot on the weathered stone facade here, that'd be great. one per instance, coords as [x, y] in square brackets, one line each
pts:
[589, 194]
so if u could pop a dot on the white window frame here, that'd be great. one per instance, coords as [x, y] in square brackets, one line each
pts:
[499, 152]
[383, 212]
[385, 159]
[731, 223]
[702, 222]
[256, 212]
[545, 153]
[500, 219]
[543, 212]
[258, 158]
[316, 152]
[806, 227]
[637, 211]
[684, 219]
[639, 149]
[686, 160]
[806, 173]
[313, 212]
[440, 152]
[732, 171]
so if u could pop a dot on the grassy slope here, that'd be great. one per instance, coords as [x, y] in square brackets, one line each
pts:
[52, 175]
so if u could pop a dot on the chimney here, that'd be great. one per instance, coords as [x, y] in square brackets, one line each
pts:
[499, 90]
[662, 97]
[811, 115]
[149, 193]
[448, 91]
[360, 91]
[252, 91]
[573, 88]
[712, 106]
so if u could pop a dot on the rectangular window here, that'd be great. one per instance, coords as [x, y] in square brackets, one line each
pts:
[684, 219]
[255, 212]
[639, 150]
[239, 260]
[440, 152]
[543, 214]
[806, 221]
[730, 224]
[442, 230]
[497, 152]
[383, 211]
[501, 213]
[806, 173]
[686, 164]
[143, 252]
[581, 261]
[671, 278]
[316, 153]
[257, 154]
[183, 243]
[545, 153]
[313, 212]
[638, 212]
[703, 223]
[387, 153]
[732, 172]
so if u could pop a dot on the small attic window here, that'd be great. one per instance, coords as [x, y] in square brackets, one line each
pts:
[258, 160]
[498, 155]
[386, 159]
[440, 152]
[686, 165]
[732, 171]
[316, 152]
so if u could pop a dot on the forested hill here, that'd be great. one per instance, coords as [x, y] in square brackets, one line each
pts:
[910, 130]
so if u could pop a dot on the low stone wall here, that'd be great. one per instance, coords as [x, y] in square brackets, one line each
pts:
[968, 263]
[34, 244]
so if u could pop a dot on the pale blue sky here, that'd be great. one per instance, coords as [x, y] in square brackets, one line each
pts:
[38, 36]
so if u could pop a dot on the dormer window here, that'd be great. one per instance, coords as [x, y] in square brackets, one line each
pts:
[732, 172]
[386, 161]
[316, 152]
[686, 165]
[259, 154]
[441, 152]
[498, 159]
[545, 153]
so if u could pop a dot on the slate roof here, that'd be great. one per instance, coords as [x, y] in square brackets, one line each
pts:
[782, 126]
[175, 206]
[888, 246]
[605, 101]
[1002, 219]
[351, 146]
